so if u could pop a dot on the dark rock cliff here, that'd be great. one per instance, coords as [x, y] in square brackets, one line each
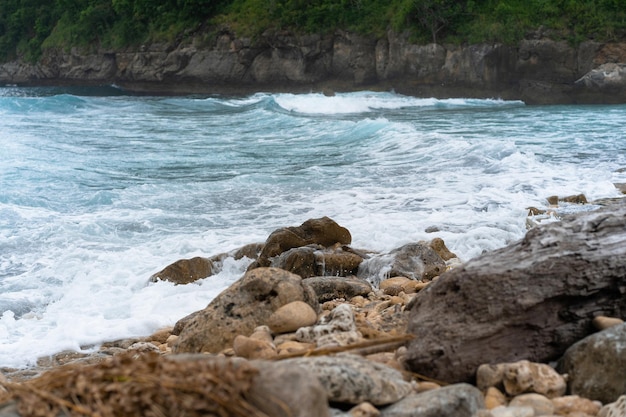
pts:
[537, 71]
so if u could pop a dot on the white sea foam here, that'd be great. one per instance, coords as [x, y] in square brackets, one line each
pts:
[98, 193]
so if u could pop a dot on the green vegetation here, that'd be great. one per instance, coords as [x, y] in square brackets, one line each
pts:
[29, 26]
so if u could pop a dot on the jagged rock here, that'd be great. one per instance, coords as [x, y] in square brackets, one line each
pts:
[331, 288]
[458, 400]
[352, 379]
[596, 365]
[530, 300]
[185, 271]
[291, 317]
[338, 328]
[242, 307]
[312, 260]
[324, 232]
[607, 76]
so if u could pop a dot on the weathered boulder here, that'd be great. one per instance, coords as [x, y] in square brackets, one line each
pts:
[530, 300]
[596, 365]
[352, 379]
[239, 309]
[458, 400]
[324, 232]
[331, 288]
[312, 260]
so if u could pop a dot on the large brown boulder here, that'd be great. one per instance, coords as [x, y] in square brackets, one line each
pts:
[531, 300]
[240, 308]
[324, 232]
[185, 271]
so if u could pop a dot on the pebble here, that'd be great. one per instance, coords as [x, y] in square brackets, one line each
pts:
[291, 316]
[494, 398]
[541, 405]
[603, 322]
[249, 348]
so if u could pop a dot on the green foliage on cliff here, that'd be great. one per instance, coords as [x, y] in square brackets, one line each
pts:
[27, 26]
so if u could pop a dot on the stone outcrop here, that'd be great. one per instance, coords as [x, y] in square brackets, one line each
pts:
[531, 300]
[242, 307]
[581, 360]
[535, 70]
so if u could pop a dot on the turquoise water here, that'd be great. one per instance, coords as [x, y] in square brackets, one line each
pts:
[99, 189]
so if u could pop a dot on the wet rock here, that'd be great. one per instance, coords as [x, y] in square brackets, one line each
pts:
[621, 187]
[332, 288]
[338, 328]
[596, 365]
[242, 307]
[531, 300]
[352, 379]
[311, 260]
[324, 232]
[459, 400]
[185, 271]
[291, 317]
[417, 261]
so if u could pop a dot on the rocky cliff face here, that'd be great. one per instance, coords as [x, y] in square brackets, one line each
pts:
[537, 70]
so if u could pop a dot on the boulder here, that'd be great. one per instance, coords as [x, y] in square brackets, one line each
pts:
[312, 260]
[239, 309]
[530, 300]
[324, 232]
[352, 379]
[596, 365]
[458, 400]
[417, 261]
[332, 288]
[185, 271]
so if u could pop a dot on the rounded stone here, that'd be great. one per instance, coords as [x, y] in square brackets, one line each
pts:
[249, 348]
[541, 405]
[291, 317]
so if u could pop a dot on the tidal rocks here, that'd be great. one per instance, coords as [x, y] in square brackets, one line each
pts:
[530, 300]
[185, 271]
[324, 231]
[312, 260]
[605, 383]
[458, 400]
[242, 307]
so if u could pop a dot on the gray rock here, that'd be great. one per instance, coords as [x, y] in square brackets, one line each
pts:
[352, 379]
[331, 288]
[531, 300]
[239, 309]
[459, 400]
[596, 365]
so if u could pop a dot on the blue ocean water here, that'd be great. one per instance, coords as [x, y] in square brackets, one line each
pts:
[99, 189]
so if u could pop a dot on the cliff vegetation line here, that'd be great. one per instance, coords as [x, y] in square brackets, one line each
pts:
[27, 27]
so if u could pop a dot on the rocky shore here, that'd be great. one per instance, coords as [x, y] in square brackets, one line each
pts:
[318, 328]
[538, 70]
